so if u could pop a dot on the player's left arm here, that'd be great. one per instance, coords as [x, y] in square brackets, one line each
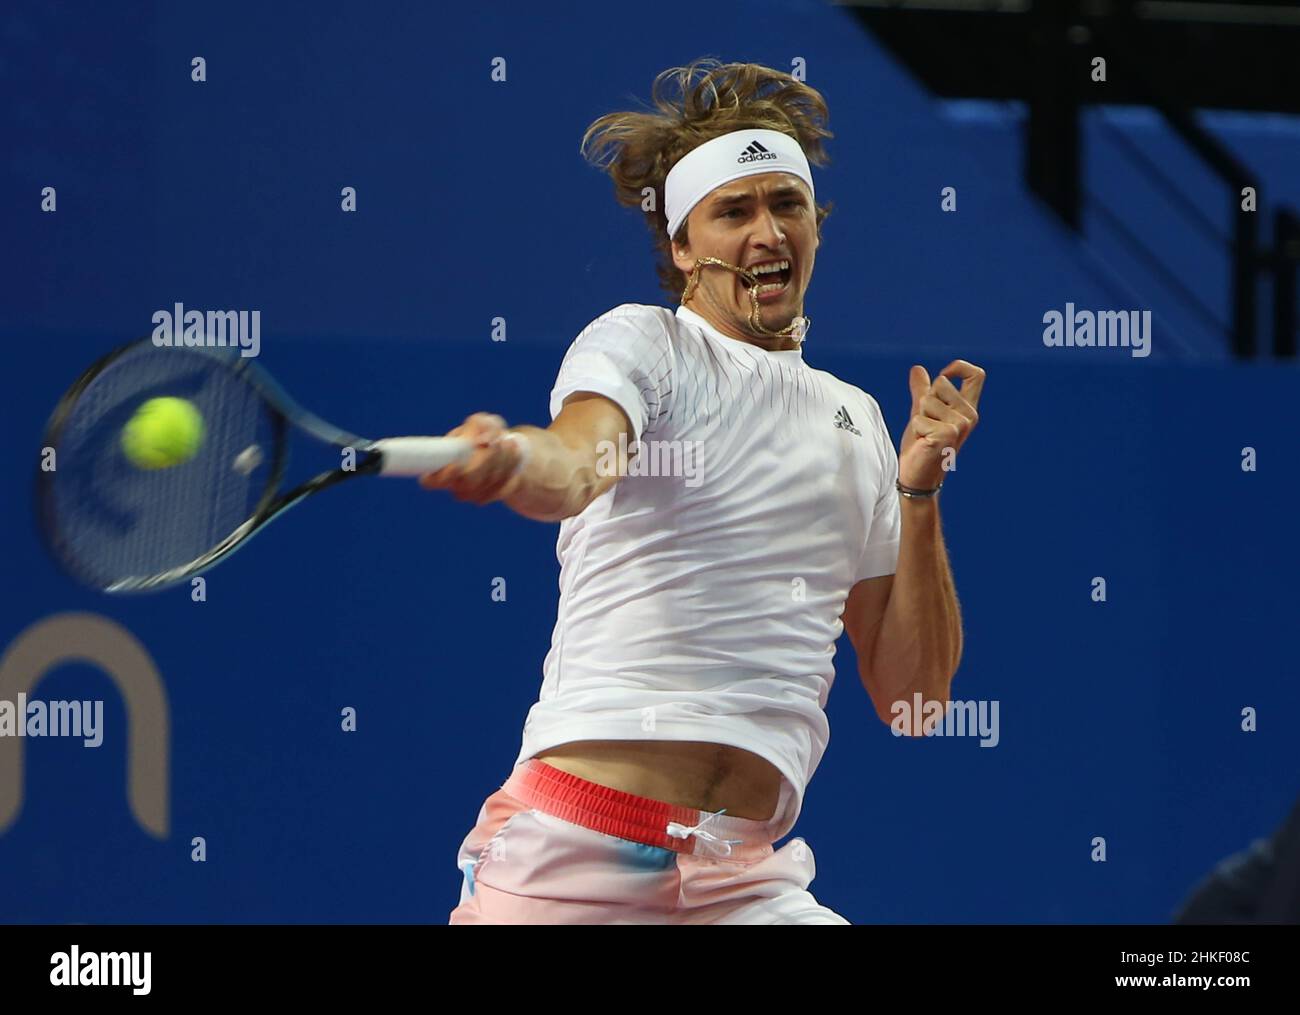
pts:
[906, 627]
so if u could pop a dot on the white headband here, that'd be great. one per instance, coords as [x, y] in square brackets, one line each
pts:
[726, 158]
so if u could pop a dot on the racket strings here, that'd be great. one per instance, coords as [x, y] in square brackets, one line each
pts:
[113, 522]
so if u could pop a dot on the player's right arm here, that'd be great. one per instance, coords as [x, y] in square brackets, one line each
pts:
[614, 383]
[566, 466]
[573, 461]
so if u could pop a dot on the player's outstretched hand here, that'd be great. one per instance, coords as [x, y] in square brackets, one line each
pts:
[485, 475]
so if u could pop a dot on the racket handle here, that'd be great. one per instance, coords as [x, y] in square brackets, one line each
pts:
[414, 456]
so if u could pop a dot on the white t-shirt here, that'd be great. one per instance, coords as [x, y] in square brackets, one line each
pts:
[705, 605]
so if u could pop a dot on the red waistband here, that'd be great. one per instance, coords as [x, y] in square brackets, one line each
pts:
[628, 816]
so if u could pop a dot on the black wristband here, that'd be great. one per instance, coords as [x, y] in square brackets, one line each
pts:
[908, 491]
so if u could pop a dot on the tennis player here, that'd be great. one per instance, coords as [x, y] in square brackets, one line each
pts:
[681, 714]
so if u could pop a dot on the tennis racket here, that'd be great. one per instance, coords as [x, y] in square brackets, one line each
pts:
[121, 528]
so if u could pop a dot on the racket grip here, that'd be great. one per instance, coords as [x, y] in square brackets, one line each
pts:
[414, 456]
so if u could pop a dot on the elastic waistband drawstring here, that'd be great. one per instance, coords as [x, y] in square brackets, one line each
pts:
[680, 831]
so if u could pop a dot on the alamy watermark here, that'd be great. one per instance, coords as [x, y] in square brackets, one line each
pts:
[652, 458]
[936, 718]
[220, 328]
[1130, 329]
[25, 718]
[75, 968]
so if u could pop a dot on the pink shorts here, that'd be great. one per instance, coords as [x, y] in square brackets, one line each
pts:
[553, 848]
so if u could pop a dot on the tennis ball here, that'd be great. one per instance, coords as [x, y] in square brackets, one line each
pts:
[162, 433]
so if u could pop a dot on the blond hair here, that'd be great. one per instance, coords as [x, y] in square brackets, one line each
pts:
[638, 149]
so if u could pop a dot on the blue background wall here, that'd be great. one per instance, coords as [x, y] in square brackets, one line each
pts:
[1118, 719]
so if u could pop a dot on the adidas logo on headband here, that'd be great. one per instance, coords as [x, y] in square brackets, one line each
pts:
[755, 153]
[708, 166]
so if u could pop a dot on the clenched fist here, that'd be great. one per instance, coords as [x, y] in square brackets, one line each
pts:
[942, 417]
[486, 475]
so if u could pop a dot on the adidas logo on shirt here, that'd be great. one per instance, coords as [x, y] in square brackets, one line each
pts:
[755, 152]
[843, 421]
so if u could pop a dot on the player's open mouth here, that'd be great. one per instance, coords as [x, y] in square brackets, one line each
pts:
[773, 279]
